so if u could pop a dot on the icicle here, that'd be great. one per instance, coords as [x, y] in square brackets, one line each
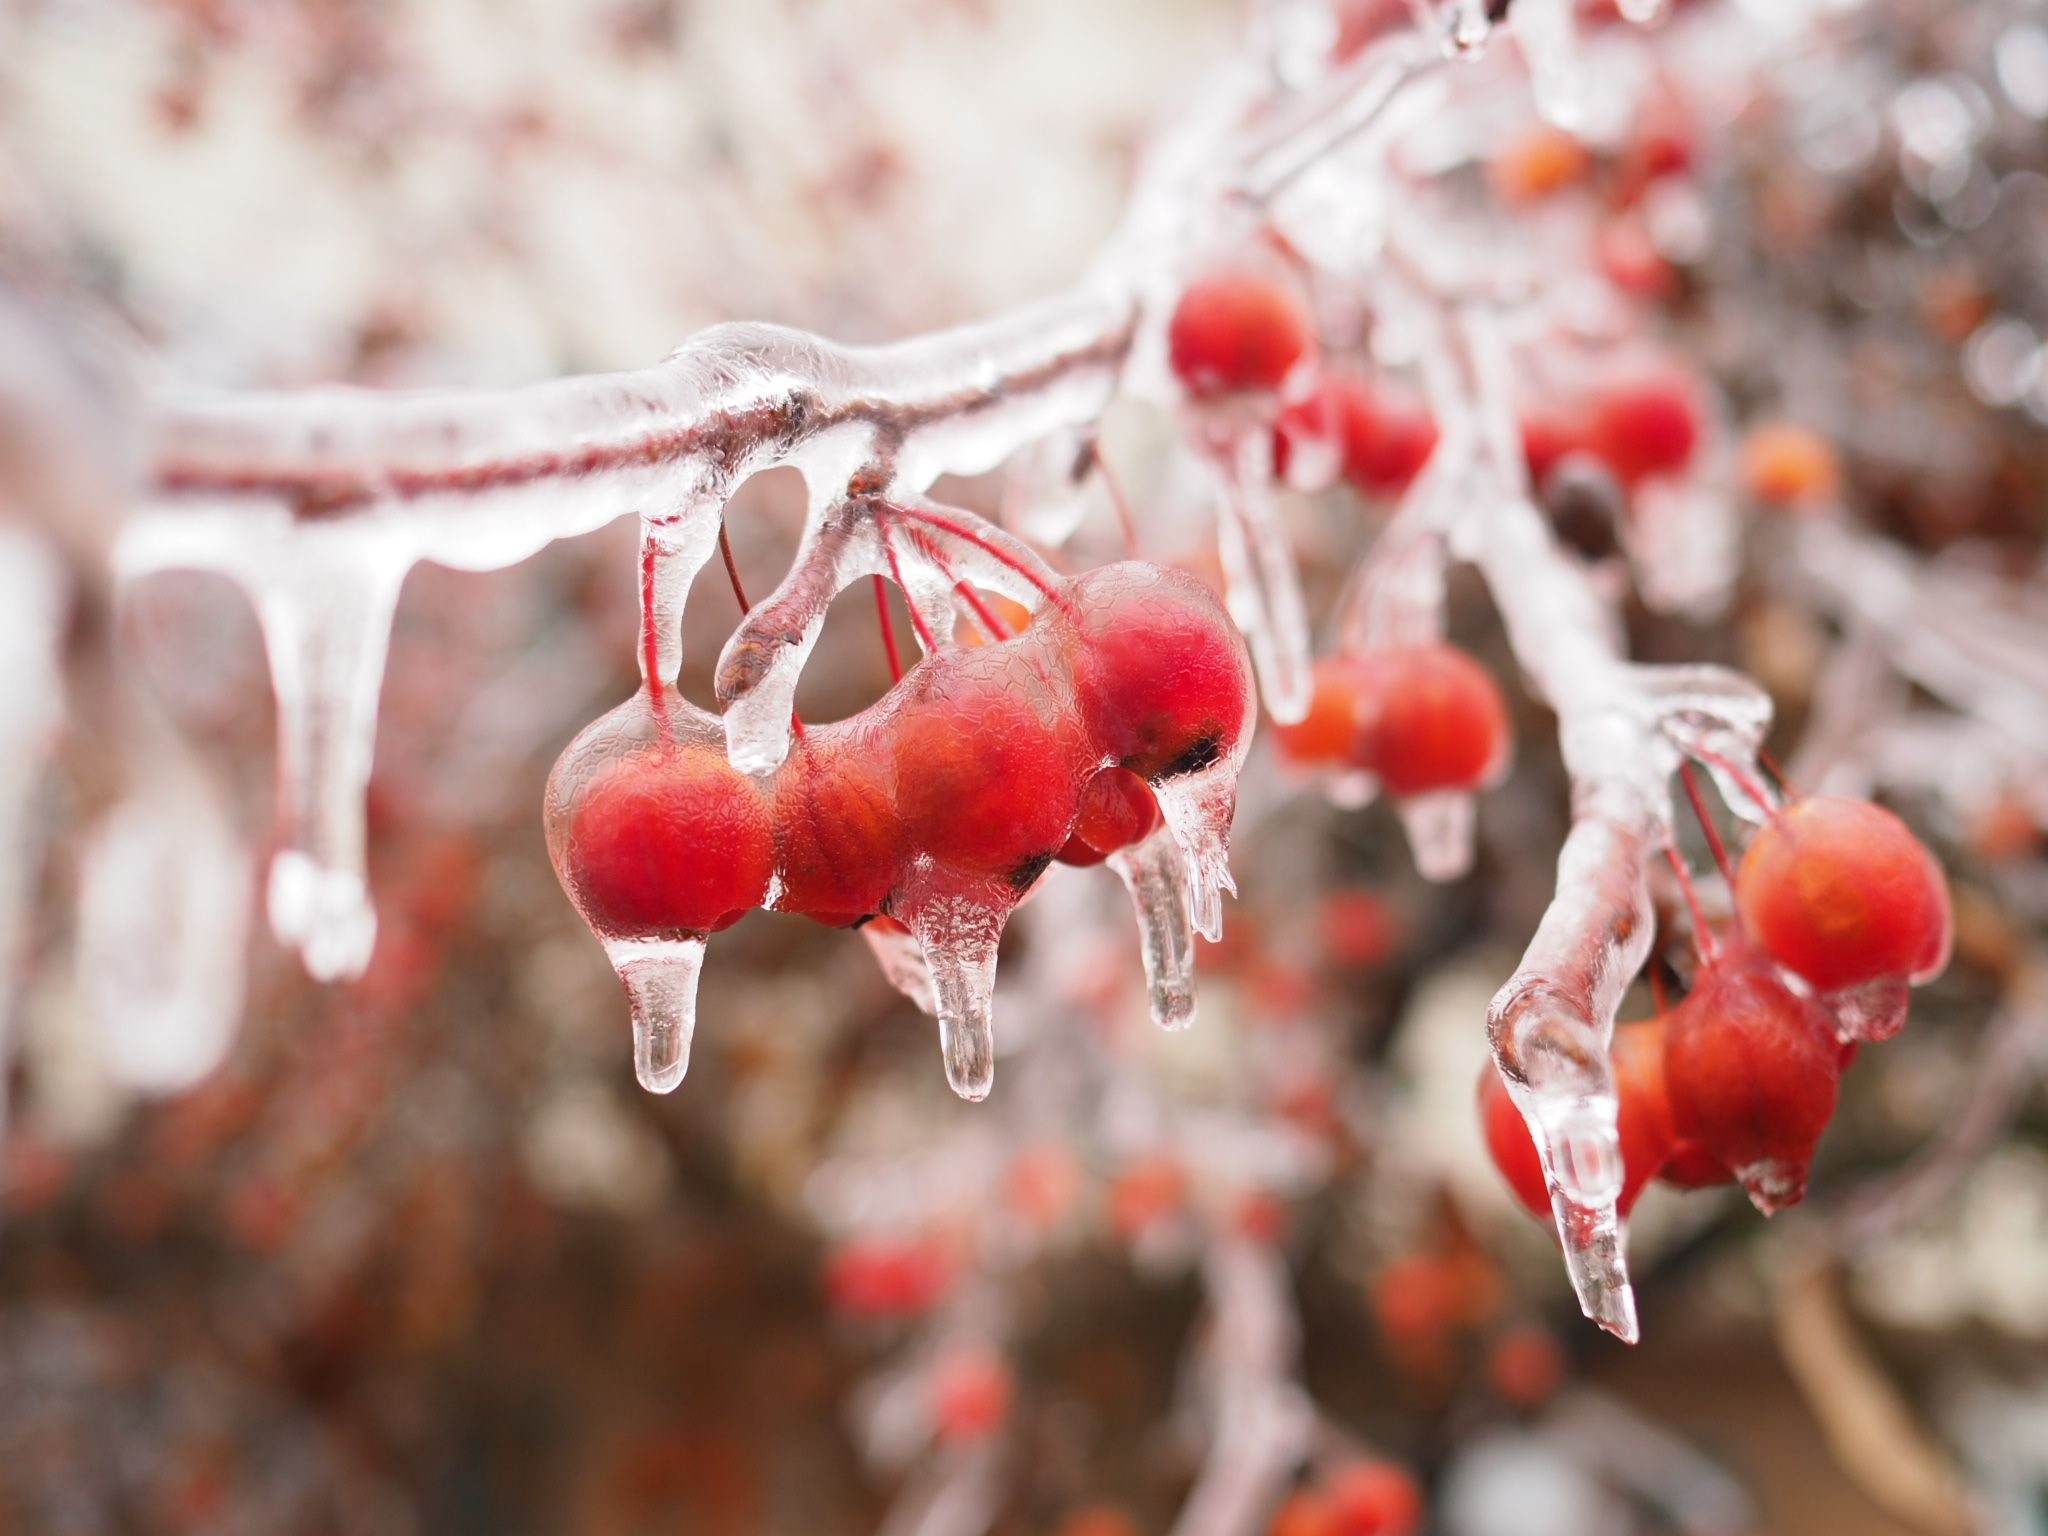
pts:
[959, 936]
[1261, 582]
[325, 603]
[902, 961]
[163, 907]
[1875, 1010]
[1581, 1152]
[673, 550]
[1155, 873]
[1549, 36]
[660, 977]
[1439, 829]
[1197, 810]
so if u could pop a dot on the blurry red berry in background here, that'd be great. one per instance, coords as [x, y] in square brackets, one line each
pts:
[1430, 718]
[1537, 163]
[1788, 466]
[1525, 1366]
[1144, 1193]
[1301, 1513]
[970, 1395]
[1234, 331]
[1372, 1498]
[888, 1277]
[1646, 426]
[1358, 928]
[1547, 438]
[1840, 892]
[1328, 732]
[1098, 1520]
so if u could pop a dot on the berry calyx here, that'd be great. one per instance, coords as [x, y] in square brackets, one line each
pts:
[1751, 1070]
[1236, 331]
[670, 842]
[1840, 892]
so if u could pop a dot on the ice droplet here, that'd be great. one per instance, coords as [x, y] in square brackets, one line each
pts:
[1873, 1010]
[660, 977]
[1262, 585]
[1439, 828]
[1154, 872]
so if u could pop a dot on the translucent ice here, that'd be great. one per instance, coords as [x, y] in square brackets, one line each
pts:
[1262, 583]
[660, 977]
[1155, 873]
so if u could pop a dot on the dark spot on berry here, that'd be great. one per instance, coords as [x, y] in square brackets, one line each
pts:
[1026, 874]
[1199, 754]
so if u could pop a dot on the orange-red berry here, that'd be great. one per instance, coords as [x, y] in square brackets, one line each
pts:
[1429, 718]
[1234, 331]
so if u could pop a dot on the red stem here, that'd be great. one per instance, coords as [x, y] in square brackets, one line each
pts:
[888, 629]
[968, 536]
[1117, 500]
[924, 633]
[995, 627]
[1699, 809]
[1785, 785]
[1701, 934]
[650, 647]
[1744, 780]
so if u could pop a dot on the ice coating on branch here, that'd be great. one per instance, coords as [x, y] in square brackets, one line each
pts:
[660, 977]
[672, 551]
[1155, 874]
[1548, 34]
[1262, 582]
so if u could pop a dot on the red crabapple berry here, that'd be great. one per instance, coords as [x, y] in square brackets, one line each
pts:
[1839, 892]
[1646, 427]
[888, 1278]
[1329, 731]
[669, 842]
[1372, 1498]
[1751, 1069]
[839, 841]
[970, 1396]
[988, 761]
[1236, 331]
[1117, 810]
[1378, 444]
[1163, 677]
[1429, 718]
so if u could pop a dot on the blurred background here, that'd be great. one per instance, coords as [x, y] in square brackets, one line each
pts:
[414, 1253]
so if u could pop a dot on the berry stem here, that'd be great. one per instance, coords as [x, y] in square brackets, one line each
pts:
[968, 536]
[1702, 935]
[924, 633]
[995, 628]
[650, 646]
[1117, 499]
[1744, 779]
[888, 629]
[1699, 809]
[1770, 765]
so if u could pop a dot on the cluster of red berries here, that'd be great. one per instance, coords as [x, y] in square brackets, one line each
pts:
[977, 770]
[1418, 718]
[1359, 1498]
[1739, 1080]
[1245, 331]
[1637, 428]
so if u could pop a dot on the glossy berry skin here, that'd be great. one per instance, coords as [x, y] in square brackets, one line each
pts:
[840, 844]
[668, 842]
[1840, 892]
[1372, 1498]
[1751, 1069]
[1510, 1145]
[1645, 427]
[988, 762]
[1162, 676]
[1429, 718]
[1117, 810]
[1236, 331]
